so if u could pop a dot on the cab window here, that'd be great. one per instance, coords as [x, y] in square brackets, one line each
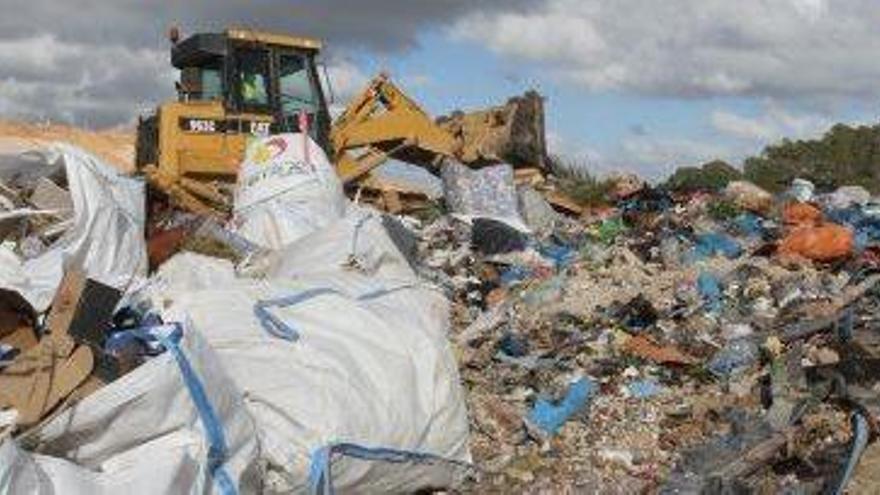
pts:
[253, 73]
[295, 86]
[201, 83]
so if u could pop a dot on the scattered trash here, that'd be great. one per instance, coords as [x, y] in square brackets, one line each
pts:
[848, 196]
[549, 417]
[485, 193]
[610, 229]
[709, 245]
[626, 185]
[440, 341]
[645, 389]
[748, 196]
[801, 190]
[710, 290]
[513, 345]
[638, 313]
[537, 213]
[493, 237]
[643, 347]
[736, 357]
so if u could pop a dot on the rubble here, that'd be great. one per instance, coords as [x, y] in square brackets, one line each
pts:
[663, 343]
[664, 304]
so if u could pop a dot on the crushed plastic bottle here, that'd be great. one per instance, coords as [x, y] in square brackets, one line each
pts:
[734, 358]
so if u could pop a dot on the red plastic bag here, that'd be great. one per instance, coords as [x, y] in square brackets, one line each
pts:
[801, 214]
[823, 243]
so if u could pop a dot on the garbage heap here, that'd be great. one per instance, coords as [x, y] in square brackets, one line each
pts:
[663, 343]
[699, 343]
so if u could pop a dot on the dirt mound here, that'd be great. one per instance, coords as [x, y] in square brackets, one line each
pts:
[116, 146]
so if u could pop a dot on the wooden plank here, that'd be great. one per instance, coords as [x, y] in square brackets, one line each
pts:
[563, 202]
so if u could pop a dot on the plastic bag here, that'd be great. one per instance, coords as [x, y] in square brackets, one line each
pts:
[801, 189]
[748, 196]
[488, 192]
[801, 214]
[823, 243]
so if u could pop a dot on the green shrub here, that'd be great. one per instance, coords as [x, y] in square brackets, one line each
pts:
[722, 209]
[712, 176]
[574, 179]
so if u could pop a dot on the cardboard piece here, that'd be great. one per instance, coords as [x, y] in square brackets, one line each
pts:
[22, 338]
[82, 310]
[43, 375]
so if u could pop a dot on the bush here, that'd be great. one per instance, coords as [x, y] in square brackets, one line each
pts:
[712, 176]
[575, 181]
[722, 209]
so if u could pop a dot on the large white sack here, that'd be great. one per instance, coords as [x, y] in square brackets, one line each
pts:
[488, 192]
[369, 363]
[144, 434]
[106, 238]
[286, 189]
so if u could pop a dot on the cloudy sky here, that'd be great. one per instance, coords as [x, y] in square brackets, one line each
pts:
[630, 84]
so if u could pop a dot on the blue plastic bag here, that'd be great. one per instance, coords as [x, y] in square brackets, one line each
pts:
[709, 288]
[550, 417]
[709, 245]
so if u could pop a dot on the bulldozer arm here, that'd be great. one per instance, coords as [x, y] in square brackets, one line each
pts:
[383, 121]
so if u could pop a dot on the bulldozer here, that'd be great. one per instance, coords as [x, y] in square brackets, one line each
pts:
[241, 83]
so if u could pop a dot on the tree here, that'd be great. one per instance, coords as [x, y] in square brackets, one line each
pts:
[711, 176]
[843, 156]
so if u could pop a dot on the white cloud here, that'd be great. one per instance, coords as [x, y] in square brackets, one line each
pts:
[811, 9]
[93, 85]
[657, 156]
[693, 48]
[556, 144]
[743, 127]
[102, 85]
[650, 156]
[774, 123]
[346, 78]
[346, 81]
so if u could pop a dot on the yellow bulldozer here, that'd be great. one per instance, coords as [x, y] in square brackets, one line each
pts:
[242, 83]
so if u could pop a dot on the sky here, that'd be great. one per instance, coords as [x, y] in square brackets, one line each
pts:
[630, 85]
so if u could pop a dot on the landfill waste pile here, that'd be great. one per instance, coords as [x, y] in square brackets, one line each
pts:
[668, 343]
[500, 342]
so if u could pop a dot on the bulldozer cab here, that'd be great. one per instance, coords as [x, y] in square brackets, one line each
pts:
[233, 85]
[255, 73]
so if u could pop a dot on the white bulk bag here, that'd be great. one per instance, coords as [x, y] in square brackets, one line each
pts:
[105, 239]
[176, 424]
[286, 189]
[343, 359]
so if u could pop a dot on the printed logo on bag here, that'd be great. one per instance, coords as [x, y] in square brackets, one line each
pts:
[267, 151]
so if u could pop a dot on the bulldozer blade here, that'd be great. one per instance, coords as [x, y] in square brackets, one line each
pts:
[513, 132]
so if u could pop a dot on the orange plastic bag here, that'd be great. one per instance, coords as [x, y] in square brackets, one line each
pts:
[823, 243]
[801, 214]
